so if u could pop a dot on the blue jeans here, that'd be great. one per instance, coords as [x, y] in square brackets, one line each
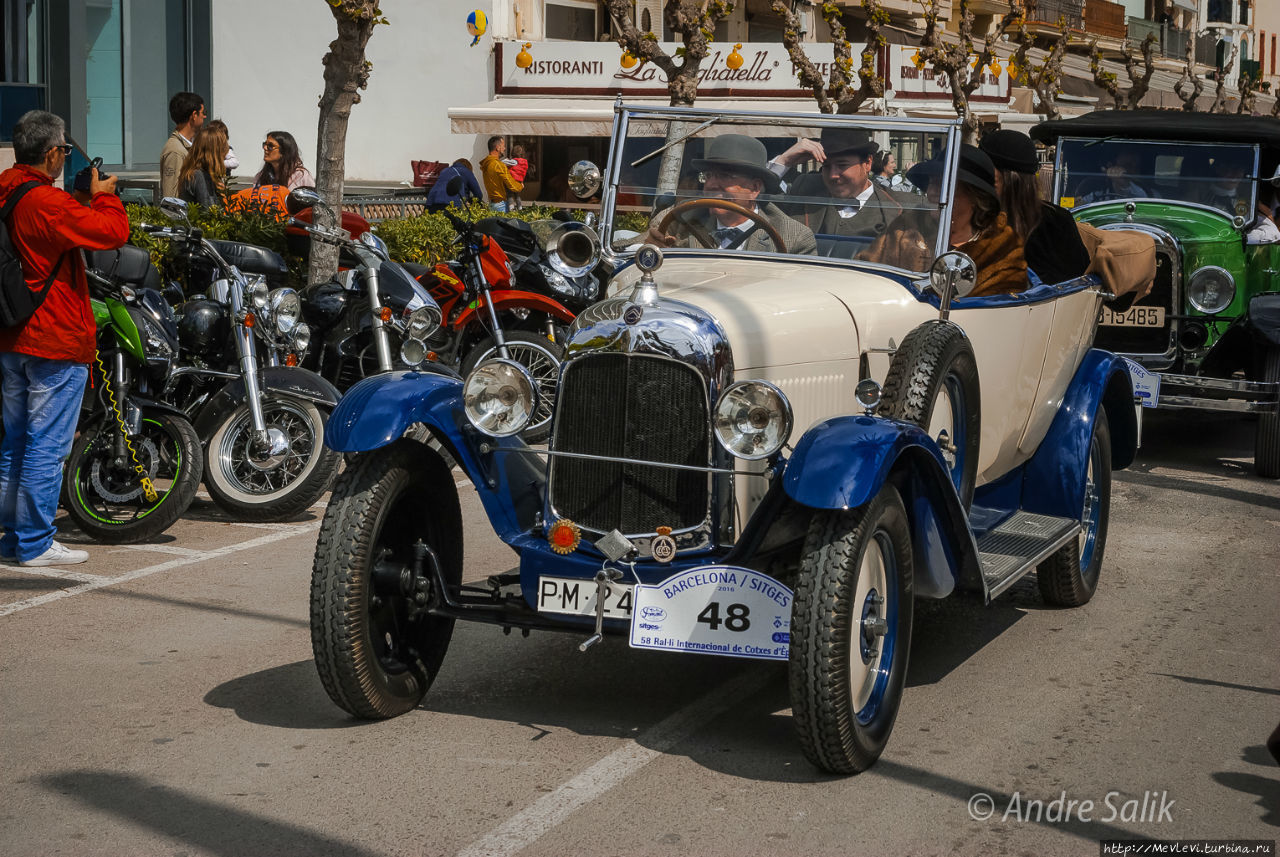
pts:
[41, 405]
[499, 206]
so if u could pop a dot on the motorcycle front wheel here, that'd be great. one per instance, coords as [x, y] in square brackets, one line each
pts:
[278, 482]
[542, 358]
[104, 493]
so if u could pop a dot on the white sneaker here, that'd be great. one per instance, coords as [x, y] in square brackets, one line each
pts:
[57, 554]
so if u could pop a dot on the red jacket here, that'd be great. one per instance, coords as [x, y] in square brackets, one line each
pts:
[47, 223]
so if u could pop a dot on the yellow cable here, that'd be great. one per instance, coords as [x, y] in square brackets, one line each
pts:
[148, 488]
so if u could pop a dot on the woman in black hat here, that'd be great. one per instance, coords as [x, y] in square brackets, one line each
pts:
[1049, 235]
[978, 227]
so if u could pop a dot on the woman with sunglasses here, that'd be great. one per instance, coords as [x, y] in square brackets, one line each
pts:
[282, 165]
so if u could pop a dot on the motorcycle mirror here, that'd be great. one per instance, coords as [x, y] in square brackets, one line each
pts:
[173, 294]
[174, 208]
[454, 187]
[584, 179]
[302, 198]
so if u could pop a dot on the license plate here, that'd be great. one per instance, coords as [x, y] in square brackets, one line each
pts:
[1135, 316]
[574, 596]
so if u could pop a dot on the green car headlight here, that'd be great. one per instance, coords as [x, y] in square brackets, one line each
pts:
[752, 419]
[1211, 289]
[499, 397]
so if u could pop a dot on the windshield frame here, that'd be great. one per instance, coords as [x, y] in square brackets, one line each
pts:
[624, 114]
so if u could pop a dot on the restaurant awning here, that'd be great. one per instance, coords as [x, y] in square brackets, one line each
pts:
[584, 117]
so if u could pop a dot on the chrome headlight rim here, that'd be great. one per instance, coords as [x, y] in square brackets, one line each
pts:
[479, 394]
[1202, 273]
[285, 308]
[413, 352]
[422, 322]
[300, 337]
[257, 294]
[779, 415]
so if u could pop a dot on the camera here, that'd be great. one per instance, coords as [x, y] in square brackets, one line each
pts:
[85, 176]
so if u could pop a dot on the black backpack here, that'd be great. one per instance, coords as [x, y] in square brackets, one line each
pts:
[17, 301]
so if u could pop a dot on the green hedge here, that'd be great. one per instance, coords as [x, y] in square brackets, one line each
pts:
[250, 226]
[428, 238]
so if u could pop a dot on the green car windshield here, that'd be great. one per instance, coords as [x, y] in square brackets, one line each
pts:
[1220, 176]
[665, 160]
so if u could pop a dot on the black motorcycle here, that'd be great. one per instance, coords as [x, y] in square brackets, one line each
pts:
[558, 258]
[259, 415]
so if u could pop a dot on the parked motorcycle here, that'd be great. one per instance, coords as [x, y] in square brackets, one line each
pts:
[136, 464]
[558, 257]
[259, 415]
[372, 317]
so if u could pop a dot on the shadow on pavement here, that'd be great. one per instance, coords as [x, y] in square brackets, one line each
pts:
[1196, 487]
[1267, 790]
[1227, 684]
[288, 696]
[211, 827]
[219, 607]
[1197, 440]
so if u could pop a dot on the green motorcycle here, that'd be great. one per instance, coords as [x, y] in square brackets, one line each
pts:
[136, 462]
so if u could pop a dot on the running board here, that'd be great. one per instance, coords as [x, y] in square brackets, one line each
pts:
[1014, 548]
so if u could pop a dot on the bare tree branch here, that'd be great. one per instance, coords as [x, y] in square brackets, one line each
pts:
[693, 22]
[1139, 76]
[1220, 91]
[1190, 85]
[953, 61]
[1043, 79]
[838, 93]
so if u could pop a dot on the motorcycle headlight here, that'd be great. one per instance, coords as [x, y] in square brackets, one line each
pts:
[423, 321]
[285, 309]
[157, 342]
[1211, 289]
[256, 294]
[300, 337]
[752, 419]
[556, 280]
[413, 352]
[499, 397]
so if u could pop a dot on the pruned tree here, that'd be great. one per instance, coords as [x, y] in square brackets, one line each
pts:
[1190, 86]
[694, 24]
[346, 72]
[962, 65]
[1220, 98]
[1248, 94]
[1044, 78]
[843, 91]
[1139, 77]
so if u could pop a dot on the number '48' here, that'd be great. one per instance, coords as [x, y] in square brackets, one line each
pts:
[736, 617]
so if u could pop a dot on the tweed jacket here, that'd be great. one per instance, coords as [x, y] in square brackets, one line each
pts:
[872, 219]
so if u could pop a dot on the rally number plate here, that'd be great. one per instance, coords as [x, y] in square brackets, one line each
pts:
[715, 610]
[1134, 316]
[574, 596]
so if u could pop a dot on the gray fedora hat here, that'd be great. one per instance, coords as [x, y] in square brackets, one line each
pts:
[739, 153]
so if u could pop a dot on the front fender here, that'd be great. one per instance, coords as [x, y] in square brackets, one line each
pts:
[843, 462]
[1054, 478]
[285, 380]
[1264, 317]
[506, 299]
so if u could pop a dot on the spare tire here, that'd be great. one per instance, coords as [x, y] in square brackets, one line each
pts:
[933, 382]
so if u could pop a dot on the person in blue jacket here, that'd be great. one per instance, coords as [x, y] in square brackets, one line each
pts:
[439, 197]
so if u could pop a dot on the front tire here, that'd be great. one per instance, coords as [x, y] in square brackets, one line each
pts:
[542, 358]
[851, 632]
[283, 485]
[1069, 577]
[1266, 450]
[105, 497]
[376, 650]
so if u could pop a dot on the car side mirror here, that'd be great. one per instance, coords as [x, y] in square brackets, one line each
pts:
[952, 275]
[584, 179]
[300, 199]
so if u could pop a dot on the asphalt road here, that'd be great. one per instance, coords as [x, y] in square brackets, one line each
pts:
[161, 700]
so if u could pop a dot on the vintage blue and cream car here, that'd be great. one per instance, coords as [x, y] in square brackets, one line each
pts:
[764, 455]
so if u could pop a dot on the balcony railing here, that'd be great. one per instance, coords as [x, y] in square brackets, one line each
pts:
[1105, 18]
[1170, 41]
[1051, 11]
[1207, 51]
[1175, 42]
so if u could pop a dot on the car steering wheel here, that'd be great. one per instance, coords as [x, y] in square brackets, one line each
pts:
[677, 212]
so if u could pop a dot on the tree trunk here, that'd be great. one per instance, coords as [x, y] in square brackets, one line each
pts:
[346, 72]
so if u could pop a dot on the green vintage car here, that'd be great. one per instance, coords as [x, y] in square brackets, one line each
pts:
[1209, 329]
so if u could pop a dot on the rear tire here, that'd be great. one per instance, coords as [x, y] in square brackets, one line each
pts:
[933, 382]
[1069, 577]
[542, 358]
[376, 650]
[846, 676]
[1266, 451]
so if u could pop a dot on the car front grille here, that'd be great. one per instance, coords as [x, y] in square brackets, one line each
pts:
[1147, 340]
[638, 407]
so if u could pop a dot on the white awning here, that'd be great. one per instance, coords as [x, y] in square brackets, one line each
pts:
[584, 117]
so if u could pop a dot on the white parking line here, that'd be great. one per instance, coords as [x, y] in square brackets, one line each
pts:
[99, 582]
[170, 549]
[62, 573]
[527, 826]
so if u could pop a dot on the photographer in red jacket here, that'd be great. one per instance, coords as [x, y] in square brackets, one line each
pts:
[45, 361]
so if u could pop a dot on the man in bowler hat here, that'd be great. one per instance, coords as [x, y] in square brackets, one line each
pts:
[857, 206]
[735, 169]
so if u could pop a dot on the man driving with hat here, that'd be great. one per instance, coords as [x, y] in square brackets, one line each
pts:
[735, 169]
[858, 206]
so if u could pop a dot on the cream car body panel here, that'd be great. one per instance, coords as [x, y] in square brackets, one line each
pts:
[1068, 340]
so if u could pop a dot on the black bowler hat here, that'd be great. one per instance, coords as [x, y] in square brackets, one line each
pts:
[846, 141]
[1011, 150]
[975, 169]
[739, 153]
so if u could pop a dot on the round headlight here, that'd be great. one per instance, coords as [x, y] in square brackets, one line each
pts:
[413, 352]
[499, 397]
[423, 321]
[285, 309]
[301, 337]
[256, 294]
[753, 419]
[1211, 289]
